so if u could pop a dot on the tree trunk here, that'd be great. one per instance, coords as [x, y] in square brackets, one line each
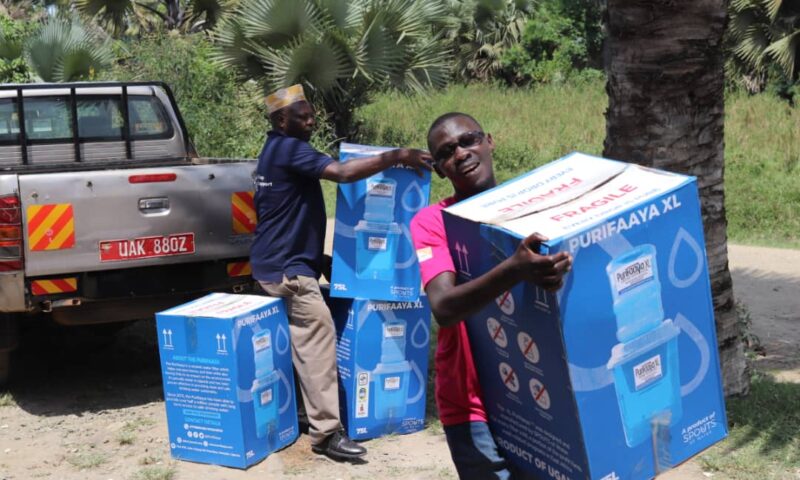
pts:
[666, 109]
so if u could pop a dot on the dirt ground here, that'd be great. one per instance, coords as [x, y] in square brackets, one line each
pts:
[89, 410]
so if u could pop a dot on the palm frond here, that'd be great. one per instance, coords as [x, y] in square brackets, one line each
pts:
[234, 49]
[751, 48]
[210, 11]
[772, 7]
[784, 51]
[112, 13]
[274, 22]
[64, 51]
[318, 63]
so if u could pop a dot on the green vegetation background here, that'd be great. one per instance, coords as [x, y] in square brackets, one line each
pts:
[530, 126]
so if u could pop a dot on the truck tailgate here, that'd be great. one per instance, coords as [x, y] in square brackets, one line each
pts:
[112, 219]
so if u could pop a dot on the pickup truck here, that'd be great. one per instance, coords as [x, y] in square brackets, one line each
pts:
[107, 214]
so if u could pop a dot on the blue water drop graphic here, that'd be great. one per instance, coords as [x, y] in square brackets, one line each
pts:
[413, 198]
[699, 340]
[683, 237]
[420, 335]
[289, 392]
[421, 382]
[413, 256]
[282, 342]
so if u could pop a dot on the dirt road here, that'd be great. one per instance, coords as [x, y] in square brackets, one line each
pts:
[88, 411]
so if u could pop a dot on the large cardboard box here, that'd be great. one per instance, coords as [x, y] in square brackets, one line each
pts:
[382, 352]
[615, 376]
[228, 384]
[373, 254]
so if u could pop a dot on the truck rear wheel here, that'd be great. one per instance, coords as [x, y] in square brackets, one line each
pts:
[5, 367]
[9, 337]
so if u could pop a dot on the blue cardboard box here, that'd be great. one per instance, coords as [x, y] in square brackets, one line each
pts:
[373, 254]
[382, 352]
[229, 390]
[615, 376]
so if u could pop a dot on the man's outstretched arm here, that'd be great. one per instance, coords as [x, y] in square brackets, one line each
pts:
[360, 168]
[451, 303]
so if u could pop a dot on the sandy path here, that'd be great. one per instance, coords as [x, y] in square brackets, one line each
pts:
[89, 413]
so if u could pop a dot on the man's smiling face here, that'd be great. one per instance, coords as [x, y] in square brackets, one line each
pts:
[462, 152]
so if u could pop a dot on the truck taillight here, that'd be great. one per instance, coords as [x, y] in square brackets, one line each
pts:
[152, 178]
[10, 234]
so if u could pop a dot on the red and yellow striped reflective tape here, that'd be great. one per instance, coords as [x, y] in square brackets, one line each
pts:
[51, 226]
[239, 269]
[243, 212]
[54, 285]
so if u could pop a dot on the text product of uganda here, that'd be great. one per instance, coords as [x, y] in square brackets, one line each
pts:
[616, 375]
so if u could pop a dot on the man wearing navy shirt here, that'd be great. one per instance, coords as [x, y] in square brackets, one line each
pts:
[287, 259]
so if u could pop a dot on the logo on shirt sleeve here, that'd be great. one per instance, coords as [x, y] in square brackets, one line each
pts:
[424, 254]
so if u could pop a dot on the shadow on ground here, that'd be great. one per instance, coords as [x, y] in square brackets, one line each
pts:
[767, 420]
[771, 317]
[75, 370]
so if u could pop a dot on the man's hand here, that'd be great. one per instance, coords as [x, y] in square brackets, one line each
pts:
[419, 160]
[546, 271]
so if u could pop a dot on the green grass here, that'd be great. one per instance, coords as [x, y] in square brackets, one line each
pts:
[127, 434]
[158, 472]
[87, 460]
[530, 126]
[762, 178]
[7, 400]
[763, 441]
[534, 126]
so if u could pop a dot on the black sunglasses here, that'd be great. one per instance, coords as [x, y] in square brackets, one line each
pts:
[465, 140]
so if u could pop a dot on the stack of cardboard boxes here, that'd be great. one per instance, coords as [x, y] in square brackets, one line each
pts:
[382, 320]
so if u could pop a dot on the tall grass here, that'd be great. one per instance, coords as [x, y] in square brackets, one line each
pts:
[533, 126]
[762, 176]
[763, 441]
[529, 126]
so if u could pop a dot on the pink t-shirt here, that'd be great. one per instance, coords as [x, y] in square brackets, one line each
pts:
[458, 393]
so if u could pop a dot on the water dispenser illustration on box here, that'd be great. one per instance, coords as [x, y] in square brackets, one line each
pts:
[378, 233]
[645, 361]
[391, 375]
[265, 388]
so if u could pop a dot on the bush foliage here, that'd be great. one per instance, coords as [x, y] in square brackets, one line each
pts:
[224, 118]
[13, 34]
[557, 44]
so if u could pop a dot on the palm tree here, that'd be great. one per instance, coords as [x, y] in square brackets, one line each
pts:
[125, 16]
[665, 87]
[341, 51]
[64, 51]
[763, 32]
[60, 51]
[485, 30]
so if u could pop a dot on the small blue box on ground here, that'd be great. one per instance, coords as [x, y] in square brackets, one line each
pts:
[373, 254]
[382, 353]
[229, 389]
[615, 376]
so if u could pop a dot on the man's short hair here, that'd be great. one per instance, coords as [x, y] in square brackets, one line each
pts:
[447, 116]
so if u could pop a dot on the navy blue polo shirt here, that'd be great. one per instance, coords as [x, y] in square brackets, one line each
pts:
[290, 233]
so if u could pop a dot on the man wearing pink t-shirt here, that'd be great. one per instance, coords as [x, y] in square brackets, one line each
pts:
[462, 153]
